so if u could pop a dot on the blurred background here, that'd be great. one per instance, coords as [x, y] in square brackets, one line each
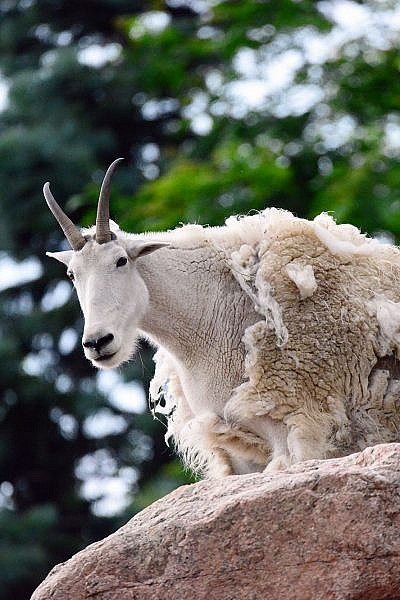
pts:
[219, 108]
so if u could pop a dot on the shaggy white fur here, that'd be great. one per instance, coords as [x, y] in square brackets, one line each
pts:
[303, 277]
[321, 376]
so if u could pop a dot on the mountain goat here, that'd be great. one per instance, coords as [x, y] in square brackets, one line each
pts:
[278, 338]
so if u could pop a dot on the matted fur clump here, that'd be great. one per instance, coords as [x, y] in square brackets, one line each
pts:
[321, 376]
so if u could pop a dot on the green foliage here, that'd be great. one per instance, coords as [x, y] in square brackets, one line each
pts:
[174, 98]
[237, 174]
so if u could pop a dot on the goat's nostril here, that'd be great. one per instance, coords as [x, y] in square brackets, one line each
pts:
[99, 343]
[104, 341]
[89, 343]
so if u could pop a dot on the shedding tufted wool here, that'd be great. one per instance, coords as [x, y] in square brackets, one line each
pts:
[321, 373]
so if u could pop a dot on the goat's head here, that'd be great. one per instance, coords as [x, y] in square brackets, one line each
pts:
[111, 292]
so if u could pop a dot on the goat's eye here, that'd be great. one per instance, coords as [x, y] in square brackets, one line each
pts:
[70, 275]
[122, 261]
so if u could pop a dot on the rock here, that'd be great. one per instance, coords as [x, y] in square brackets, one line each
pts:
[322, 530]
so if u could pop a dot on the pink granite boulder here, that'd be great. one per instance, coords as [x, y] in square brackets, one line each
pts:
[323, 530]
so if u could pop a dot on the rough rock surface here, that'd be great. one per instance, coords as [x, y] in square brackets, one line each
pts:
[323, 530]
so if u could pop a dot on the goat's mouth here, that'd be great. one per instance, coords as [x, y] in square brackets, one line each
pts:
[105, 361]
[104, 357]
[113, 356]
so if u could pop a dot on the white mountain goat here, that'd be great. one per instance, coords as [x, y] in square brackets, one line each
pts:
[278, 337]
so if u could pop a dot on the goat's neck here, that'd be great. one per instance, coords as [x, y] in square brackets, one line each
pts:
[198, 313]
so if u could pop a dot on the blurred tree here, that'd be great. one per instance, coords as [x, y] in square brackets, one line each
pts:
[67, 455]
[220, 108]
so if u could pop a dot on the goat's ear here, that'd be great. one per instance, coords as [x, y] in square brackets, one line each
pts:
[138, 248]
[63, 257]
[114, 226]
